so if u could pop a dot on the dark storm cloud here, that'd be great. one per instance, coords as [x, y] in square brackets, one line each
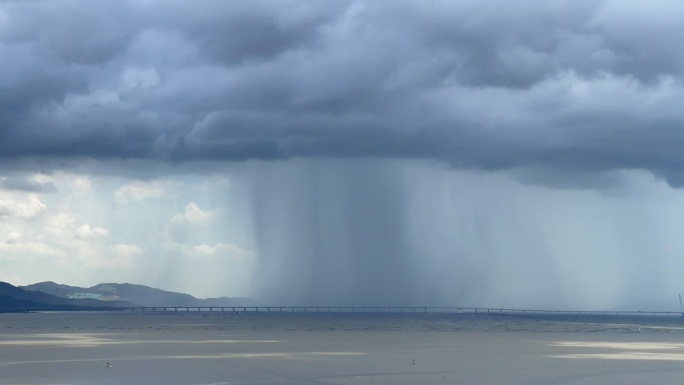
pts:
[582, 86]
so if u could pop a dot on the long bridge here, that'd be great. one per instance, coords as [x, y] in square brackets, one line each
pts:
[380, 309]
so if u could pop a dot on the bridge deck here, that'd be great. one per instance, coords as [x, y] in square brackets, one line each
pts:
[382, 309]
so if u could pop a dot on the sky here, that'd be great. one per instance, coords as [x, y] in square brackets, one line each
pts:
[455, 153]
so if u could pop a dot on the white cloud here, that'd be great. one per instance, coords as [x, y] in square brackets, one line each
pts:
[60, 223]
[67, 254]
[193, 215]
[137, 191]
[31, 252]
[218, 250]
[40, 178]
[80, 238]
[14, 237]
[80, 183]
[30, 208]
[128, 251]
[121, 255]
[86, 231]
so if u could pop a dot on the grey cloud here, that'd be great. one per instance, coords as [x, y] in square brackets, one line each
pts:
[231, 33]
[75, 32]
[640, 38]
[25, 184]
[583, 86]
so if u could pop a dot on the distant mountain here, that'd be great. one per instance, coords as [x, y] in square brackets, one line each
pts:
[10, 291]
[146, 296]
[137, 294]
[9, 303]
[14, 298]
[63, 291]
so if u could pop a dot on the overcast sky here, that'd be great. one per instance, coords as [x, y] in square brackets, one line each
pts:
[443, 152]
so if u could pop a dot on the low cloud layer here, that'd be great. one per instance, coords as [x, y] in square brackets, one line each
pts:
[581, 86]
